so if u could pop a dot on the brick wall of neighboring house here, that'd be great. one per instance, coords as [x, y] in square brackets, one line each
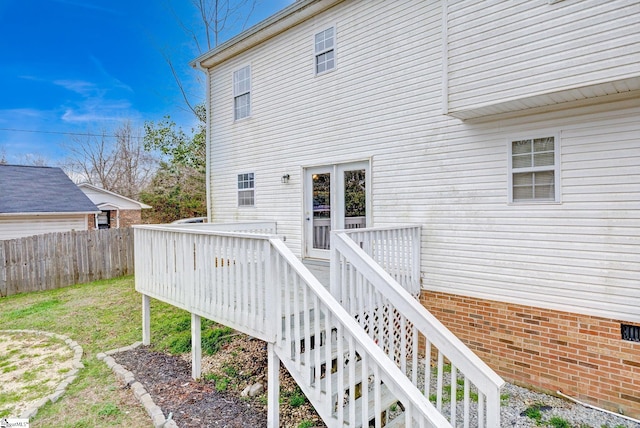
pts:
[91, 221]
[113, 219]
[582, 356]
[129, 217]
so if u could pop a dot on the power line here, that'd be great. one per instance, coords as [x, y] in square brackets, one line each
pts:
[82, 134]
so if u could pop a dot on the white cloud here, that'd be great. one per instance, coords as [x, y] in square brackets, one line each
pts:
[81, 87]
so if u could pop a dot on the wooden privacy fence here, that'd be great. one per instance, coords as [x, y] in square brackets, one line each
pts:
[55, 260]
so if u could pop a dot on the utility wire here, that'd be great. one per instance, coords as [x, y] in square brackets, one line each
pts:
[83, 134]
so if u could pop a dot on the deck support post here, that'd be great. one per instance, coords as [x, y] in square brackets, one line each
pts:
[273, 388]
[196, 347]
[146, 320]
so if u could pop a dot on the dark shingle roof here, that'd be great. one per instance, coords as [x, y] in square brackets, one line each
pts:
[37, 189]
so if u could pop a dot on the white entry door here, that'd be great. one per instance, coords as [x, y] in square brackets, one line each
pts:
[336, 197]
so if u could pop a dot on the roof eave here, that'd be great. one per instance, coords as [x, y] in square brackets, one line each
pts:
[296, 13]
[48, 213]
[99, 189]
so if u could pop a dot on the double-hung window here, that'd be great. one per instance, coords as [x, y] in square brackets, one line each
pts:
[242, 93]
[325, 50]
[246, 190]
[534, 173]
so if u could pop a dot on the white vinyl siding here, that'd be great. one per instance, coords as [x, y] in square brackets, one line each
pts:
[246, 190]
[430, 169]
[325, 54]
[12, 227]
[242, 93]
[505, 51]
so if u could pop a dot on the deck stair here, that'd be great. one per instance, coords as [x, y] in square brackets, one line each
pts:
[363, 351]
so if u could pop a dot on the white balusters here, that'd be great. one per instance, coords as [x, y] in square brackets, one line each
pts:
[384, 268]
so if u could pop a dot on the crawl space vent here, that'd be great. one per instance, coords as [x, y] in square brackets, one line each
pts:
[630, 332]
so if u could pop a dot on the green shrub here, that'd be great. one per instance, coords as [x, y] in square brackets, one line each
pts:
[297, 400]
[558, 422]
[533, 412]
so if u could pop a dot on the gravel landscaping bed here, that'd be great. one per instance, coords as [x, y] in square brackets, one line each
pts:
[216, 399]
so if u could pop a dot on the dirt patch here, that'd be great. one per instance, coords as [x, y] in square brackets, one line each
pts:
[31, 367]
[216, 399]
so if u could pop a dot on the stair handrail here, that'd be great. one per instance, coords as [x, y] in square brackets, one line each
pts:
[476, 370]
[404, 389]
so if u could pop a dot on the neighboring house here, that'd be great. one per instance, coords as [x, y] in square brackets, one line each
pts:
[36, 200]
[116, 210]
[510, 131]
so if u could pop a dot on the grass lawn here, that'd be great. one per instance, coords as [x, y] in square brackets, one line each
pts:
[100, 316]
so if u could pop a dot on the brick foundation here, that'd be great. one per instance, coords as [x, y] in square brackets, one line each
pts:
[583, 356]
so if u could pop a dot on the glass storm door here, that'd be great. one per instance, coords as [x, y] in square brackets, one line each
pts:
[336, 197]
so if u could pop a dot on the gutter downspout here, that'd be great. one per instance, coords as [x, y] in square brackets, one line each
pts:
[207, 130]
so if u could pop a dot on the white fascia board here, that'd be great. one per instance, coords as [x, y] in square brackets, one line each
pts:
[99, 189]
[108, 206]
[296, 13]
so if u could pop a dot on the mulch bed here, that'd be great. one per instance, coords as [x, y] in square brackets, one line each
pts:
[168, 380]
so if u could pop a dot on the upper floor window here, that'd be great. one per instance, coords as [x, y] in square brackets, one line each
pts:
[242, 93]
[534, 170]
[325, 50]
[246, 190]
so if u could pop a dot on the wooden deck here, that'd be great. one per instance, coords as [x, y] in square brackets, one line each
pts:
[352, 334]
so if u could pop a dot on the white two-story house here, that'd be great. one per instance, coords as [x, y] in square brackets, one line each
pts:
[509, 131]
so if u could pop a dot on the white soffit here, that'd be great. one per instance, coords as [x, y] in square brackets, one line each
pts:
[552, 101]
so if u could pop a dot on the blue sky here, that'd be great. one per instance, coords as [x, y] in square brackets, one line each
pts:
[78, 66]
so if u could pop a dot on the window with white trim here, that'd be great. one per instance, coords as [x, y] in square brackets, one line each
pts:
[246, 190]
[242, 93]
[534, 170]
[324, 50]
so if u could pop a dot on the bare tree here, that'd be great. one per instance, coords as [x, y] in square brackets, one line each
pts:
[116, 162]
[216, 19]
[134, 165]
[34, 160]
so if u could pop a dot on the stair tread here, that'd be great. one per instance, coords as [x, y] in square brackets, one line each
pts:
[398, 422]
[387, 399]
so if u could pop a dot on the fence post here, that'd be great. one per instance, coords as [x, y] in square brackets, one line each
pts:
[3, 270]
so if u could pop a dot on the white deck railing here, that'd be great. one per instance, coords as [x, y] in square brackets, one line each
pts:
[210, 270]
[314, 329]
[362, 352]
[322, 229]
[411, 336]
[263, 227]
[396, 249]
